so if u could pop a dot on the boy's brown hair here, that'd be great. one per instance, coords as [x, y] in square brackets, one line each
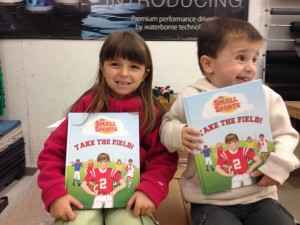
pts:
[215, 34]
[103, 156]
[231, 137]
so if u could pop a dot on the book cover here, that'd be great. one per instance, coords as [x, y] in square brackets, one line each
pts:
[234, 124]
[103, 158]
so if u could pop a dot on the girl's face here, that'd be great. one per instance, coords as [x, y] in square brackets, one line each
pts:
[235, 63]
[123, 76]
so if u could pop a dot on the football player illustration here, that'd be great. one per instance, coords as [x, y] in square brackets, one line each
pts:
[262, 144]
[206, 151]
[119, 168]
[219, 149]
[77, 166]
[90, 165]
[250, 144]
[104, 177]
[129, 172]
[237, 158]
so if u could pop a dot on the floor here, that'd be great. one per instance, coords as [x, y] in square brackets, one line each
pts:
[173, 211]
[14, 188]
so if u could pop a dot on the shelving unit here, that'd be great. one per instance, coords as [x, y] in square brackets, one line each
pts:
[282, 57]
[12, 153]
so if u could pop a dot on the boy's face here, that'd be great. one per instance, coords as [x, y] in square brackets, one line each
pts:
[232, 145]
[235, 63]
[103, 164]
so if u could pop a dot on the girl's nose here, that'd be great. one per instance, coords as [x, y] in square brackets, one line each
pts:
[124, 71]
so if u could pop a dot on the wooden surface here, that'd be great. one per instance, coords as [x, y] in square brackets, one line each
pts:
[174, 210]
[293, 108]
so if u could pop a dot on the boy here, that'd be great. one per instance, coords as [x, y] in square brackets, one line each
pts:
[104, 177]
[238, 158]
[227, 52]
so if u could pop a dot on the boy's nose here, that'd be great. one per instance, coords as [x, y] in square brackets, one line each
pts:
[250, 66]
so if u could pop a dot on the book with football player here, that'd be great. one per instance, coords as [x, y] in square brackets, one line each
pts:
[236, 132]
[103, 158]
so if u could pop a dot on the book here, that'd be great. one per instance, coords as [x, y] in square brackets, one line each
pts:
[103, 158]
[234, 124]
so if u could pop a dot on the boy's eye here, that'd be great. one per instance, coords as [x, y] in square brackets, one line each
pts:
[240, 58]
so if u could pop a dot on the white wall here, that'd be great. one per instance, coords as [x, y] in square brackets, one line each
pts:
[43, 77]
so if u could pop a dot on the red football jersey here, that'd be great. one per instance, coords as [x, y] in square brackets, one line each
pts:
[104, 179]
[237, 159]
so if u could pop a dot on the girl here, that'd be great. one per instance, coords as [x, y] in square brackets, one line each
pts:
[124, 84]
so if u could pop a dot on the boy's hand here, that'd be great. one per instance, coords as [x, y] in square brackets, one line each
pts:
[61, 208]
[265, 180]
[142, 205]
[190, 137]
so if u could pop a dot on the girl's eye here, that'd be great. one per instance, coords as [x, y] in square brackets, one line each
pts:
[114, 64]
[135, 66]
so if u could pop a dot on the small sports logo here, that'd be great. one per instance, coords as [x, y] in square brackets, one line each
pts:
[105, 126]
[226, 104]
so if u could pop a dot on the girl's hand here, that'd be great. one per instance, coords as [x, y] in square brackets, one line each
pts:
[142, 205]
[265, 180]
[61, 208]
[190, 137]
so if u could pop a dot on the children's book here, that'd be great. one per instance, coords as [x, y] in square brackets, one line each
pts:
[234, 124]
[103, 158]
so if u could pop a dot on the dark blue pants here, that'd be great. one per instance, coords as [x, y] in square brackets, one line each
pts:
[264, 212]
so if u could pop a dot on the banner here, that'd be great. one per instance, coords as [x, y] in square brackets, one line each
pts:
[95, 19]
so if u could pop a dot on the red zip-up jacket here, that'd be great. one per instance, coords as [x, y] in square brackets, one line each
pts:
[157, 164]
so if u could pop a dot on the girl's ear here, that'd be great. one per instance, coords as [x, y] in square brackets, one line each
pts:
[206, 63]
[101, 68]
[146, 74]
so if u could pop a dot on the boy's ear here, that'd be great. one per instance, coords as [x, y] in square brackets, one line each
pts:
[206, 63]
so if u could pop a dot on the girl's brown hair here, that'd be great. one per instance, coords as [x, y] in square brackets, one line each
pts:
[130, 46]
